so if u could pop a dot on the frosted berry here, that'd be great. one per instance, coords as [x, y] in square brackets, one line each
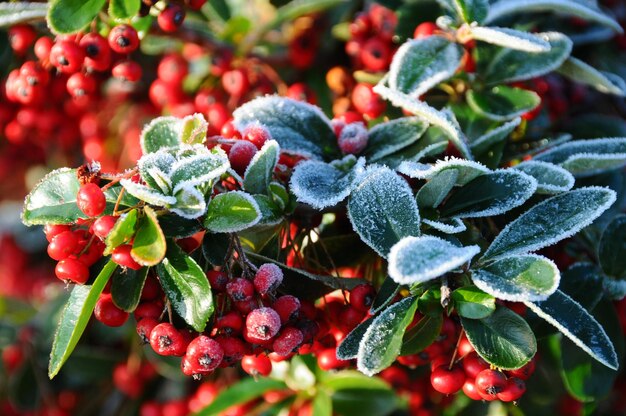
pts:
[288, 341]
[256, 134]
[129, 71]
[72, 270]
[91, 200]
[97, 52]
[108, 313]
[67, 57]
[121, 255]
[204, 355]
[170, 19]
[63, 245]
[353, 138]
[287, 307]
[514, 389]
[123, 39]
[263, 323]
[240, 289]
[447, 380]
[217, 280]
[489, 383]
[165, 339]
[240, 155]
[256, 365]
[268, 278]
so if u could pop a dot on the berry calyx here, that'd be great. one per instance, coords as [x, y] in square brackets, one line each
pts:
[489, 383]
[203, 355]
[263, 324]
[166, 340]
[123, 39]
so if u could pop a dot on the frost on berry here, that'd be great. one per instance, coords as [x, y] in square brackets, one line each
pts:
[263, 323]
[268, 278]
[353, 138]
[288, 341]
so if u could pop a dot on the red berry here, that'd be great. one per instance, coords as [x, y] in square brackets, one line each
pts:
[63, 245]
[375, 54]
[175, 408]
[172, 69]
[217, 280]
[353, 138]
[424, 30]
[234, 350]
[91, 200]
[230, 323]
[165, 339]
[121, 255]
[263, 324]
[465, 347]
[67, 56]
[151, 289]
[360, 26]
[72, 270]
[129, 71]
[12, 357]
[170, 19]
[150, 408]
[256, 365]
[42, 48]
[362, 297]
[447, 380]
[384, 21]
[34, 73]
[128, 382]
[147, 310]
[103, 225]
[145, 327]
[80, 84]
[513, 390]
[268, 278]
[366, 101]
[474, 364]
[327, 360]
[107, 313]
[204, 355]
[240, 155]
[235, 82]
[288, 341]
[469, 388]
[97, 52]
[123, 39]
[256, 134]
[21, 37]
[287, 307]
[489, 383]
[240, 289]
[52, 230]
[525, 372]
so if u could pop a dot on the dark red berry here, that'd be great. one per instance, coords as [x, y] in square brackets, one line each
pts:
[489, 383]
[240, 155]
[240, 289]
[447, 380]
[145, 327]
[474, 364]
[91, 200]
[230, 323]
[165, 339]
[514, 389]
[108, 313]
[203, 355]
[263, 324]
[72, 270]
[121, 255]
[525, 372]
[217, 280]
[267, 278]
[287, 341]
[256, 365]
[170, 19]
[123, 39]
[362, 297]
[147, 310]
[21, 37]
[234, 350]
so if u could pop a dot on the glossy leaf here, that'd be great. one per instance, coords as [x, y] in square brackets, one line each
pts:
[573, 321]
[350, 379]
[551, 221]
[186, 286]
[503, 339]
[382, 210]
[419, 259]
[612, 248]
[583, 73]
[424, 333]
[123, 9]
[70, 16]
[122, 232]
[75, 318]
[126, 287]
[258, 175]
[510, 38]
[471, 302]
[551, 179]
[241, 392]
[437, 188]
[388, 137]
[231, 212]
[149, 245]
[502, 103]
[365, 401]
[215, 247]
[382, 341]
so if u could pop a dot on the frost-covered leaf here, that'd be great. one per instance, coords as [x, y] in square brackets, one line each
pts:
[386, 293]
[472, 10]
[231, 212]
[444, 120]
[419, 259]
[70, 16]
[502, 103]
[349, 347]
[519, 278]
[437, 188]
[193, 129]
[382, 341]
[467, 170]
[509, 65]
[258, 174]
[588, 157]
[190, 202]
[420, 336]
[391, 136]
[433, 142]
[14, 13]
[612, 248]
[53, 199]
[551, 221]
[551, 179]
[160, 133]
[583, 73]
[421, 64]
[581, 281]
[271, 214]
[146, 194]
[382, 210]
[471, 302]
[298, 127]
[483, 143]
[510, 38]
[161, 160]
[585, 9]
[186, 287]
[578, 325]
[149, 243]
[503, 339]
[324, 185]
[199, 169]
[446, 225]
[490, 194]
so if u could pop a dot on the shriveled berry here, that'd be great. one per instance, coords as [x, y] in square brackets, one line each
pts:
[108, 313]
[71, 269]
[170, 19]
[287, 307]
[123, 39]
[91, 200]
[256, 365]
[263, 323]
[288, 341]
[240, 155]
[166, 340]
[447, 380]
[267, 278]
[121, 255]
[240, 289]
[204, 355]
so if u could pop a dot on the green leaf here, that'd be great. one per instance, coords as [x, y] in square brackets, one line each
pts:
[215, 247]
[322, 404]
[124, 9]
[587, 10]
[509, 65]
[419, 259]
[494, 137]
[437, 188]
[75, 318]
[382, 341]
[472, 10]
[299, 128]
[502, 103]
[578, 325]
[433, 142]
[349, 347]
[429, 303]
[199, 169]
[240, 392]
[490, 194]
[149, 245]
[14, 13]
[551, 179]
[424, 333]
[519, 278]
[365, 401]
[382, 210]
[231, 212]
[271, 214]
[193, 129]
[467, 170]
[323, 185]
[612, 248]
[550, 221]
[174, 226]
[258, 175]
[510, 38]
[471, 302]
[388, 137]
[126, 287]
[190, 202]
[122, 232]
[387, 291]
[580, 282]
[421, 64]
[186, 286]
[294, 9]
[503, 339]
[53, 199]
[350, 379]
[583, 73]
[160, 133]
[70, 16]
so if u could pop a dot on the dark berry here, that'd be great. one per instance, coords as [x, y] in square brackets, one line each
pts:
[287, 307]
[234, 350]
[362, 297]
[287, 341]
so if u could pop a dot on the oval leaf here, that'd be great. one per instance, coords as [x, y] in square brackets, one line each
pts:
[510, 38]
[435, 190]
[160, 133]
[349, 347]
[126, 287]
[424, 333]
[483, 143]
[124, 9]
[70, 16]
[583, 73]
[551, 221]
[502, 103]
[391, 136]
[258, 174]
[149, 245]
[519, 278]
[231, 212]
[122, 232]
[240, 392]
[471, 302]
[503, 339]
[612, 248]
[419, 259]
[551, 179]
[467, 170]
[573, 321]
[382, 341]
[472, 10]
[382, 210]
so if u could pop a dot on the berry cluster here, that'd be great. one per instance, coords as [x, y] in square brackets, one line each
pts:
[371, 43]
